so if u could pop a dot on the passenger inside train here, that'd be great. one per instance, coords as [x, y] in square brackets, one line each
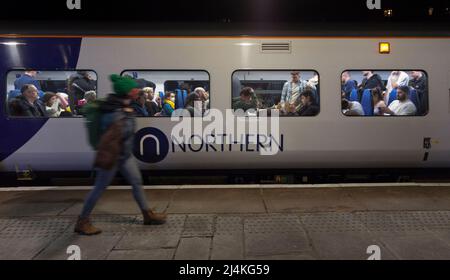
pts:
[28, 78]
[291, 93]
[64, 93]
[163, 92]
[384, 93]
[79, 83]
[55, 103]
[27, 103]
[33, 93]
[192, 101]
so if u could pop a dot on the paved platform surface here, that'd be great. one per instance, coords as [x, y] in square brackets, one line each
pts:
[406, 222]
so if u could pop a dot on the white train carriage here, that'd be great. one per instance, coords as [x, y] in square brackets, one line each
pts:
[224, 65]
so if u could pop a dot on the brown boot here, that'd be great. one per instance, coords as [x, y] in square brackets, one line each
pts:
[85, 227]
[152, 218]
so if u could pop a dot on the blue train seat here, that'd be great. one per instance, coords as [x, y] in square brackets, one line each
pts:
[366, 103]
[414, 98]
[392, 96]
[316, 97]
[161, 95]
[354, 95]
[178, 99]
[184, 97]
[13, 94]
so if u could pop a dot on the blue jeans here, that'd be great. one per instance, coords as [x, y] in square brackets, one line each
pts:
[130, 170]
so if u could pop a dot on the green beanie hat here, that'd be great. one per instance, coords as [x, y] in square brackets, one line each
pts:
[122, 85]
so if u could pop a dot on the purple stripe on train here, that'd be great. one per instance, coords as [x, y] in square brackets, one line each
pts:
[39, 53]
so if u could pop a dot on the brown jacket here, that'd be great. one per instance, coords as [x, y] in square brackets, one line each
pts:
[110, 146]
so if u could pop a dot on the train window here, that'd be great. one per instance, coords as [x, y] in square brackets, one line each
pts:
[384, 93]
[291, 92]
[34, 93]
[164, 91]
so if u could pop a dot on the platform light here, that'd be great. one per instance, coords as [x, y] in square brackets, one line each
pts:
[245, 44]
[384, 47]
[12, 43]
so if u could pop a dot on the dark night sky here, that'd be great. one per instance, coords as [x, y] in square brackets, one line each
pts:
[226, 17]
[224, 10]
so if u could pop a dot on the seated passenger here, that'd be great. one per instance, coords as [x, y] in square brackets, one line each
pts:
[378, 102]
[194, 104]
[347, 85]
[403, 106]
[352, 108]
[52, 106]
[396, 79]
[204, 96]
[309, 107]
[168, 105]
[28, 103]
[246, 100]
[151, 104]
[139, 104]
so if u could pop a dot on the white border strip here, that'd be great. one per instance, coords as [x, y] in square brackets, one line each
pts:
[250, 186]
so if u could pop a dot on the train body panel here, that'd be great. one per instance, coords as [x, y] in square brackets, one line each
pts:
[328, 140]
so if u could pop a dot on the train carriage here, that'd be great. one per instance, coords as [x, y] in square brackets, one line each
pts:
[328, 140]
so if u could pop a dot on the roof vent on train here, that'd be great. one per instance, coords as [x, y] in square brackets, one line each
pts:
[276, 47]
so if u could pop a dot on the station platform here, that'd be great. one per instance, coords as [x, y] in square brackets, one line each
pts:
[257, 222]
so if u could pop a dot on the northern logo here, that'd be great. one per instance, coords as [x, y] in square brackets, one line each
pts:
[150, 145]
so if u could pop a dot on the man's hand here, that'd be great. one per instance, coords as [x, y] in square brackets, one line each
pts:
[291, 108]
[386, 110]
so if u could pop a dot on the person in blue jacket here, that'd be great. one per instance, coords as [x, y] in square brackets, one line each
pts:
[347, 85]
[29, 78]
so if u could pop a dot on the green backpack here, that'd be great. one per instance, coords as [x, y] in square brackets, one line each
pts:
[93, 116]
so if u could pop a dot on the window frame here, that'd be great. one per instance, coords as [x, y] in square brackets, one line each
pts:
[172, 70]
[279, 70]
[7, 114]
[387, 70]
